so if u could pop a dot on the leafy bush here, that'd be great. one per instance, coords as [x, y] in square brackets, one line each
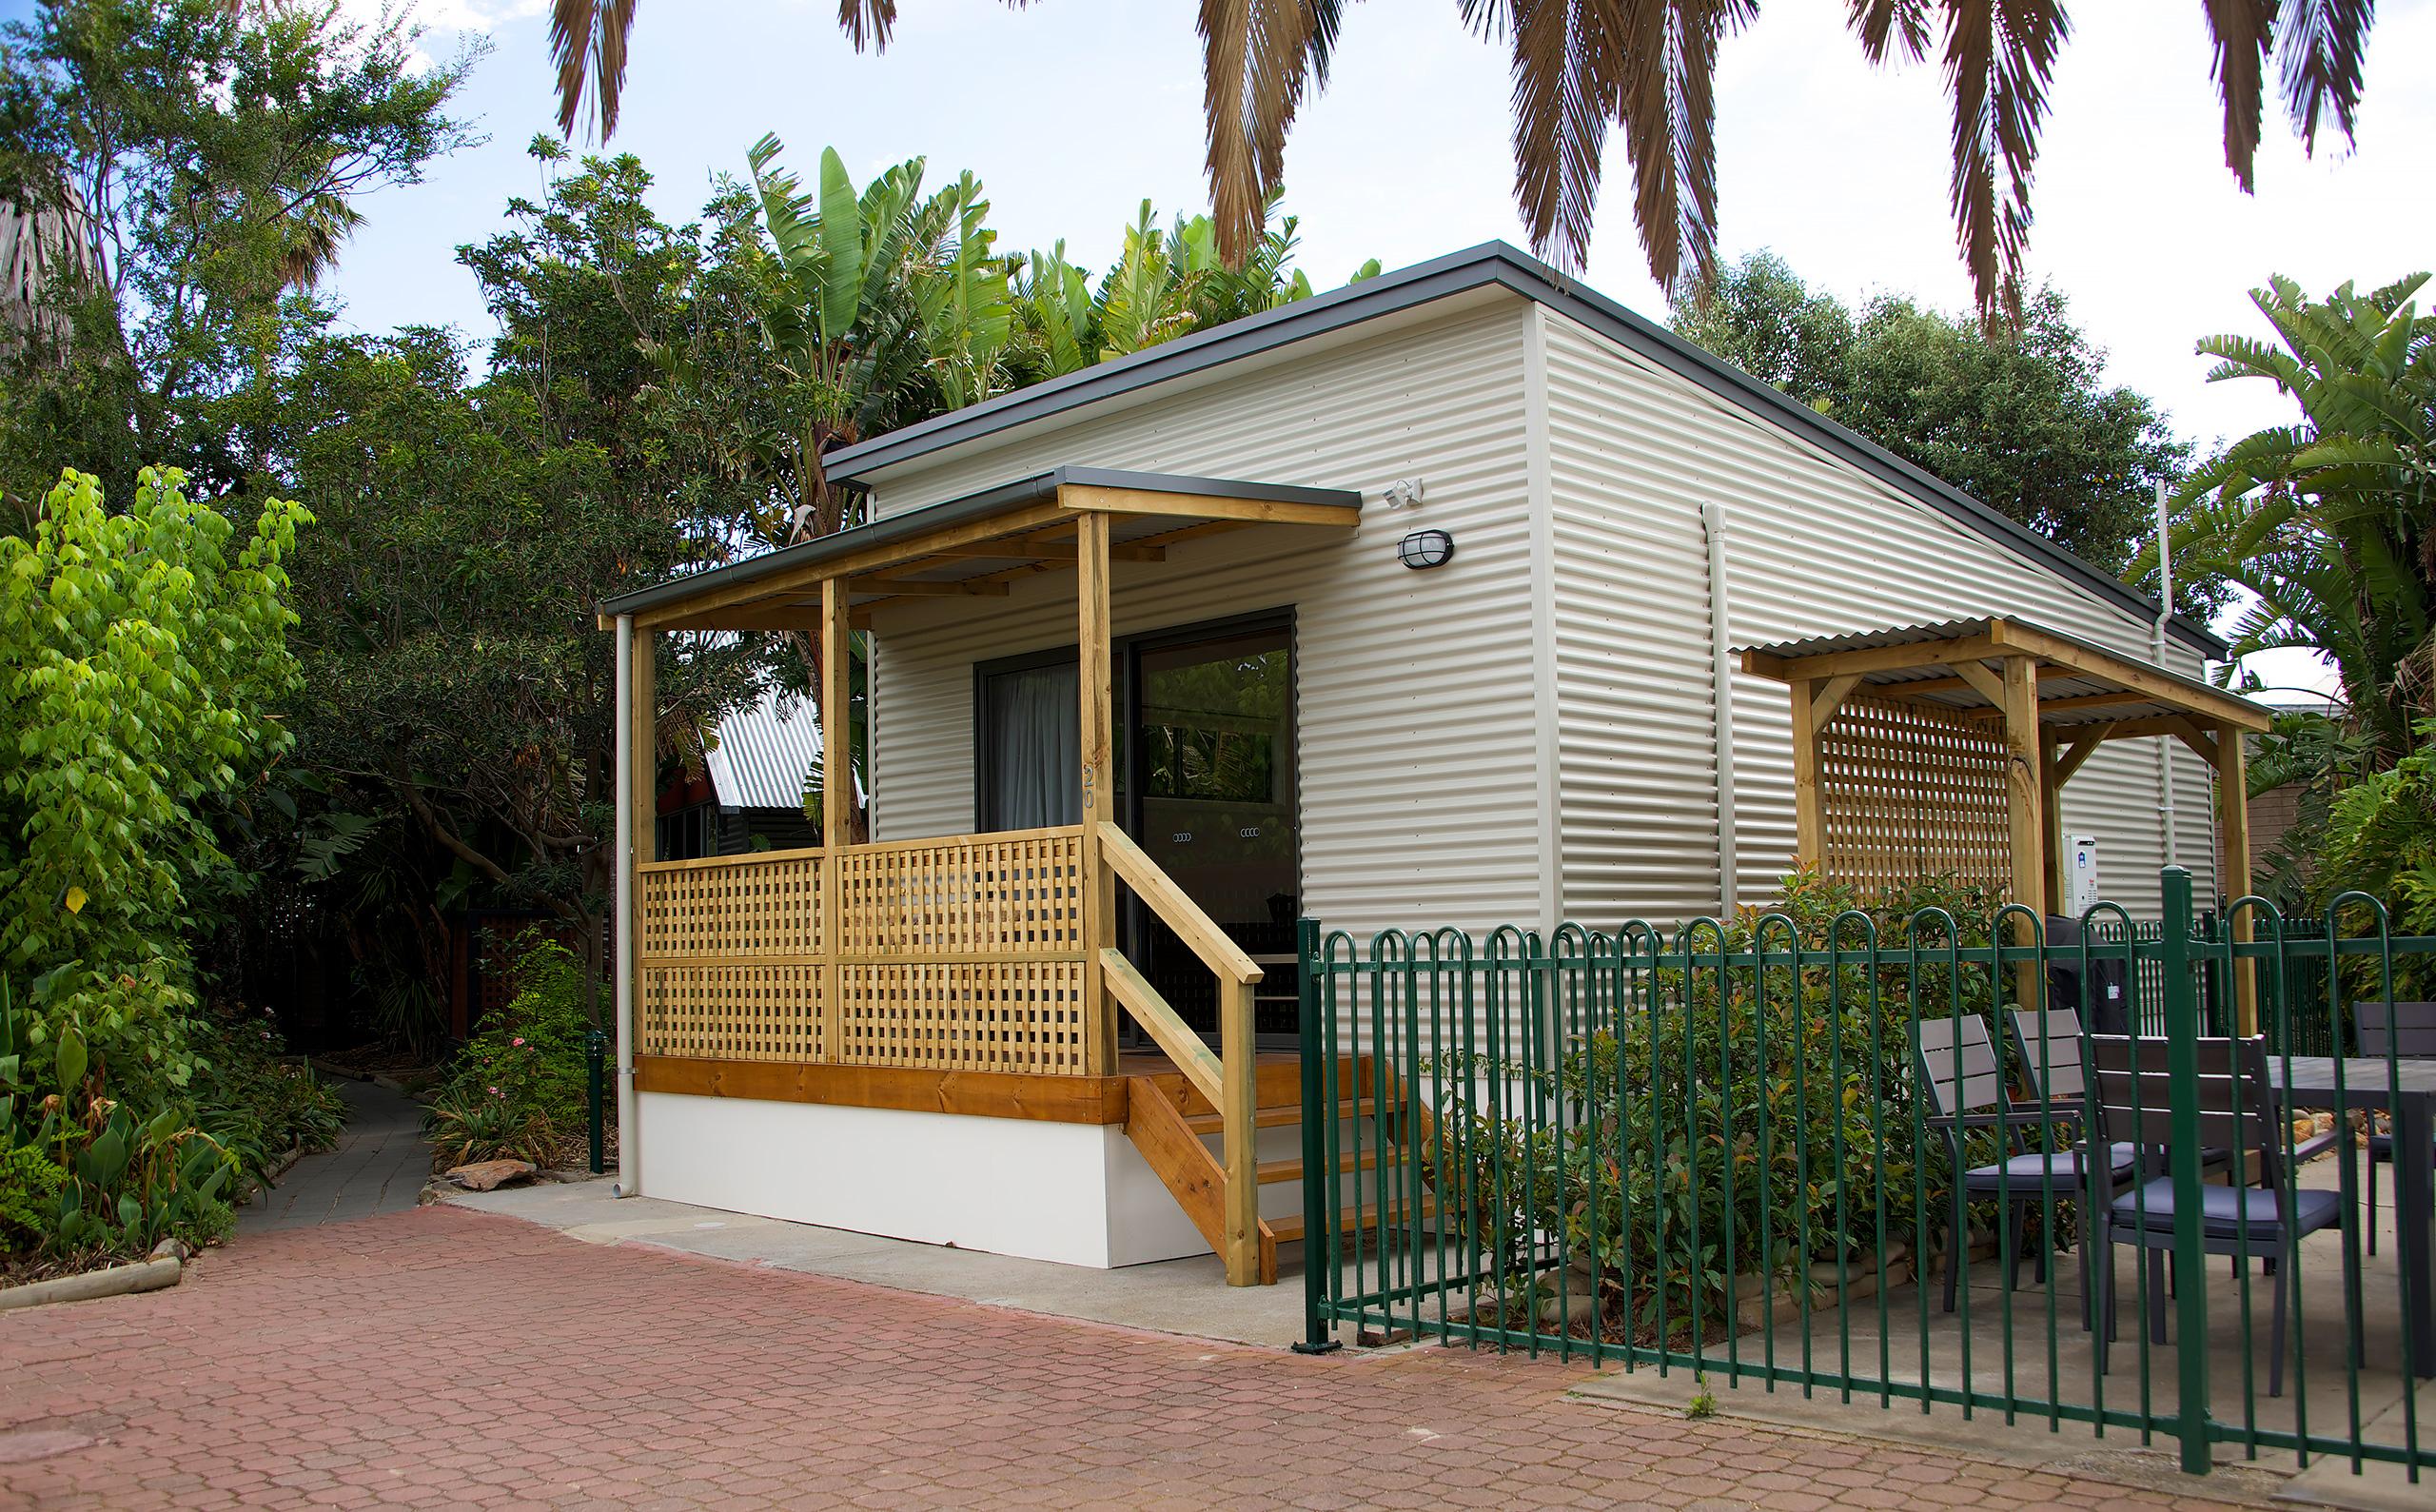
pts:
[520, 1087]
[1665, 1105]
[30, 1184]
[256, 1101]
[2381, 840]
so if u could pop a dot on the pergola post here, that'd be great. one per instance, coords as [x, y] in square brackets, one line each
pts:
[1093, 681]
[2233, 833]
[2051, 835]
[836, 804]
[2026, 805]
[1809, 813]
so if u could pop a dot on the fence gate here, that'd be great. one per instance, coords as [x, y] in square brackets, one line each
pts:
[1843, 1154]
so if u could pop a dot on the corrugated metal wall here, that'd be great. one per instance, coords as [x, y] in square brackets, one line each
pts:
[1812, 546]
[1421, 790]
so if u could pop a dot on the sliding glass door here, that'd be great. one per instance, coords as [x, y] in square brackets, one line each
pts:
[1206, 785]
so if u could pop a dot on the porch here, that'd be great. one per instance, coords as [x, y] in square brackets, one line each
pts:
[973, 976]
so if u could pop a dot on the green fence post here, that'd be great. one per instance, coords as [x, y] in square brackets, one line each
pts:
[2189, 1252]
[596, 1051]
[1317, 1249]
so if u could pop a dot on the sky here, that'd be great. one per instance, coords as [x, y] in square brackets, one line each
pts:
[1073, 111]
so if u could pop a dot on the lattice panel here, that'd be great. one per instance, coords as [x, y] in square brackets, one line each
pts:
[995, 896]
[751, 1010]
[733, 907]
[964, 1015]
[1909, 791]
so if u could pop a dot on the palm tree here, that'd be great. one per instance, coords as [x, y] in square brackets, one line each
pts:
[1649, 66]
[2331, 524]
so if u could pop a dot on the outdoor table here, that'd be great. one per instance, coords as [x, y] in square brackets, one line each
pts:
[2369, 1084]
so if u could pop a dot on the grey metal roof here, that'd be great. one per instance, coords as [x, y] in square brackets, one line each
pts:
[2055, 682]
[764, 754]
[988, 502]
[1491, 264]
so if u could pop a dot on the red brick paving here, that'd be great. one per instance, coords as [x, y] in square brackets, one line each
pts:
[443, 1359]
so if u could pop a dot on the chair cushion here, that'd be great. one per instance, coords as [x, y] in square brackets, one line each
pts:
[2021, 1175]
[2381, 1146]
[2225, 1211]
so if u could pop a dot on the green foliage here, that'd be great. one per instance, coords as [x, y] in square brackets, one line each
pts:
[206, 160]
[2329, 523]
[520, 1087]
[139, 654]
[258, 1103]
[30, 1187]
[1670, 1105]
[135, 1170]
[2020, 418]
[2380, 838]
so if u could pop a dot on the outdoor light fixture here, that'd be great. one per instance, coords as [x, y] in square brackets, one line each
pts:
[1426, 548]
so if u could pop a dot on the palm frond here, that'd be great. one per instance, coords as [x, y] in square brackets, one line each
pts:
[588, 44]
[2243, 30]
[1999, 58]
[2319, 45]
[1257, 60]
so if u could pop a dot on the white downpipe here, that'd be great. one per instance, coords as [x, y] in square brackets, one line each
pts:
[2165, 612]
[1721, 672]
[623, 905]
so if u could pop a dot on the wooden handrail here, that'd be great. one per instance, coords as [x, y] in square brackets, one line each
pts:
[1228, 1080]
[1179, 912]
[1166, 1027]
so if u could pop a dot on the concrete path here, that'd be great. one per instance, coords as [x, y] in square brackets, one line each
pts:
[446, 1358]
[379, 1167]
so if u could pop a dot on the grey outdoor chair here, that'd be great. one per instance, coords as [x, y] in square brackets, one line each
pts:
[2407, 1030]
[2236, 1111]
[1959, 1074]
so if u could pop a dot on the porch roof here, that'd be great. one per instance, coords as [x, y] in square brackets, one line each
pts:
[975, 546]
[2083, 689]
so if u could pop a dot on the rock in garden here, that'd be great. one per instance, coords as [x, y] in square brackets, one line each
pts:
[484, 1174]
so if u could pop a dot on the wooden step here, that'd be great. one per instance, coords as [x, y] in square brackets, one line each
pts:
[1279, 1118]
[1273, 1172]
[1290, 1227]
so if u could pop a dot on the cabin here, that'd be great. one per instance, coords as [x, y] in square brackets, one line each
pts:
[1461, 595]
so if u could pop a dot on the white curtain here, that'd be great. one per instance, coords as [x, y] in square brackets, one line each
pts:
[1036, 749]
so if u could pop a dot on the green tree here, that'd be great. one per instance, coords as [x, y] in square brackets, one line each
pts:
[208, 158]
[143, 655]
[1651, 70]
[2330, 523]
[2020, 418]
[463, 696]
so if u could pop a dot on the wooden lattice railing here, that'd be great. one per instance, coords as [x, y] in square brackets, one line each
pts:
[953, 954]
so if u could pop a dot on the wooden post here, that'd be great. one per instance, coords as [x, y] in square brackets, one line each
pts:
[2051, 835]
[1094, 679]
[2233, 875]
[837, 818]
[2025, 806]
[1240, 1137]
[1810, 814]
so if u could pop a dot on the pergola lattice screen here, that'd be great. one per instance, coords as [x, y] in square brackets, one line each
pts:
[1908, 792]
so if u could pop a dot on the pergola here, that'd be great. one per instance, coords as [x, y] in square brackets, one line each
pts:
[1927, 750]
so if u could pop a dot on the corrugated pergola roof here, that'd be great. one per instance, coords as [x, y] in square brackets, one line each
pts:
[2081, 685]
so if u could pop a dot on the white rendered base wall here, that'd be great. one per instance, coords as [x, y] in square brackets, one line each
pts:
[1077, 1193]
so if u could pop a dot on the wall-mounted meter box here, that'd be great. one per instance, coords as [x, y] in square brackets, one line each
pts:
[2080, 875]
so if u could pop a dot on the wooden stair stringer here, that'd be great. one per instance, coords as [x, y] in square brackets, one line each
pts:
[1183, 1164]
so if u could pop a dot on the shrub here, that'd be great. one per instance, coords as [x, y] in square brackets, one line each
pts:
[256, 1102]
[133, 1172]
[1666, 1100]
[30, 1183]
[519, 1088]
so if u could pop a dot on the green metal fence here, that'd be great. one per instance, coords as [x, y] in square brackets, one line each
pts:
[1713, 1152]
